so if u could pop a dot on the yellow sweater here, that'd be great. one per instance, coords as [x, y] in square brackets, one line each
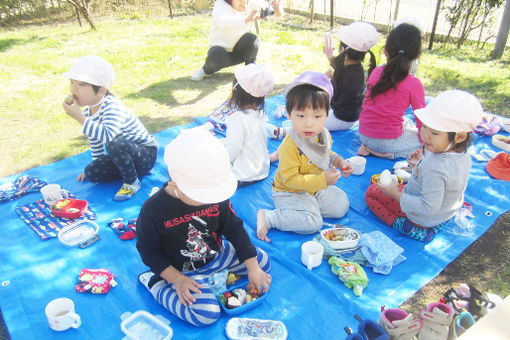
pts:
[296, 172]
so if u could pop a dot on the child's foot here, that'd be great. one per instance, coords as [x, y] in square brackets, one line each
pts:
[262, 226]
[366, 151]
[127, 191]
[273, 157]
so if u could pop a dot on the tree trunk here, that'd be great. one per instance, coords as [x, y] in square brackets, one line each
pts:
[434, 24]
[78, 15]
[312, 9]
[82, 6]
[170, 7]
[85, 12]
[502, 37]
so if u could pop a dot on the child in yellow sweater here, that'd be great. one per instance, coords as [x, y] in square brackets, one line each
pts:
[304, 188]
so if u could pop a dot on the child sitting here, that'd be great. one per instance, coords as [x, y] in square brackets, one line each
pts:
[348, 78]
[436, 188]
[304, 188]
[246, 140]
[107, 123]
[383, 130]
[180, 231]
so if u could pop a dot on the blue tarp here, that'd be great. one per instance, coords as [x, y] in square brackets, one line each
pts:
[312, 304]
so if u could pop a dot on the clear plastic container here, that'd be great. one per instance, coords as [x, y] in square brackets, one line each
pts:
[142, 325]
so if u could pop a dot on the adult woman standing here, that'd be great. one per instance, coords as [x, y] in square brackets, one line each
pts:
[230, 40]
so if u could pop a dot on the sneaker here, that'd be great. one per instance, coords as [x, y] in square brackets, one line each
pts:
[127, 191]
[461, 322]
[199, 75]
[399, 325]
[437, 318]
[370, 330]
[145, 277]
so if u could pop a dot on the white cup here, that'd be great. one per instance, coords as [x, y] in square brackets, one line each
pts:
[61, 315]
[358, 163]
[51, 193]
[311, 254]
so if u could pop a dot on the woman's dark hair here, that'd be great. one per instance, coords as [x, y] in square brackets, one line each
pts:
[242, 99]
[403, 45]
[303, 96]
[96, 90]
[338, 62]
[462, 146]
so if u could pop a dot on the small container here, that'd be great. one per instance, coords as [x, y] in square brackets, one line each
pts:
[69, 208]
[348, 237]
[78, 233]
[375, 179]
[244, 307]
[142, 325]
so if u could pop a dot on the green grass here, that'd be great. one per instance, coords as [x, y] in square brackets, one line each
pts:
[153, 59]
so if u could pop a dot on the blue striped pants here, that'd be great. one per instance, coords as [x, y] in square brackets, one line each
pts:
[206, 309]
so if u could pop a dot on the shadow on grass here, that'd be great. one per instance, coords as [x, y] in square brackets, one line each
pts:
[163, 92]
[5, 44]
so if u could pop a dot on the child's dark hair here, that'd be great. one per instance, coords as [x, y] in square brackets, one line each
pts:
[338, 62]
[305, 95]
[242, 99]
[97, 87]
[403, 45]
[462, 146]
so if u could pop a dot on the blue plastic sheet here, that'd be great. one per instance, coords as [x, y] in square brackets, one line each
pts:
[312, 304]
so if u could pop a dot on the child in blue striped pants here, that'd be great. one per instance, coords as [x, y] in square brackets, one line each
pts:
[188, 230]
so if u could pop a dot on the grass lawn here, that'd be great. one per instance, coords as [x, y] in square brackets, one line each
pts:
[154, 58]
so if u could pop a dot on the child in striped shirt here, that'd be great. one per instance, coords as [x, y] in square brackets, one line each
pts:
[130, 150]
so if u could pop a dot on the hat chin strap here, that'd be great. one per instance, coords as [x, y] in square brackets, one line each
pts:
[98, 103]
[450, 145]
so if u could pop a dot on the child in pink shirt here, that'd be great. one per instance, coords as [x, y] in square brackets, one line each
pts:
[383, 130]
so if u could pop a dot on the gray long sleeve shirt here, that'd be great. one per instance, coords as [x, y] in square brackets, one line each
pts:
[436, 188]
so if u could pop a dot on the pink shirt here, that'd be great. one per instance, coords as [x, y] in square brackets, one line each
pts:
[383, 117]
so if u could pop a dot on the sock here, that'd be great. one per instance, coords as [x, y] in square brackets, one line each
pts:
[404, 226]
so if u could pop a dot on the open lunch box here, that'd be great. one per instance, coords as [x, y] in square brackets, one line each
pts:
[69, 208]
[238, 291]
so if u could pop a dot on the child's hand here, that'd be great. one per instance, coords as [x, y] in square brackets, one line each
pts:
[73, 110]
[332, 176]
[253, 16]
[346, 168]
[415, 158]
[391, 190]
[259, 280]
[184, 286]
[80, 177]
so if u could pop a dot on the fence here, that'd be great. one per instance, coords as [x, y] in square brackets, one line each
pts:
[382, 13]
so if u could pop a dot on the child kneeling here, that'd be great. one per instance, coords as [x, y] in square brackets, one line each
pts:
[304, 188]
[180, 229]
[436, 188]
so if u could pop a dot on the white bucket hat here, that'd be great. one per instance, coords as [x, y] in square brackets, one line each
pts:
[414, 21]
[452, 111]
[359, 36]
[200, 166]
[256, 79]
[92, 69]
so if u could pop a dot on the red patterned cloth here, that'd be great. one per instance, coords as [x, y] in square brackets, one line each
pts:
[95, 281]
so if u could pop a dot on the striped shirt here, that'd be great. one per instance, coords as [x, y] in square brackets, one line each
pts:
[111, 120]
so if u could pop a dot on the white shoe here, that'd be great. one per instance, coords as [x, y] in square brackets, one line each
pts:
[199, 75]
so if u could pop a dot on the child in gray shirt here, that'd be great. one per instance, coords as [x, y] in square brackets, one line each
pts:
[436, 188]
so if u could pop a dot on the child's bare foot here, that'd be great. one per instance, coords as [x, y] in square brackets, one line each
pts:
[273, 157]
[366, 151]
[262, 226]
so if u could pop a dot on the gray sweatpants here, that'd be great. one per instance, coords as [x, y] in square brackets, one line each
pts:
[302, 212]
[400, 147]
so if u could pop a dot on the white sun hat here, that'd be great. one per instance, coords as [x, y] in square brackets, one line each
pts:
[452, 111]
[200, 166]
[414, 21]
[359, 36]
[92, 69]
[256, 79]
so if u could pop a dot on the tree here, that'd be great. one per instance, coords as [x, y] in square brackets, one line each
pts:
[82, 7]
[504, 28]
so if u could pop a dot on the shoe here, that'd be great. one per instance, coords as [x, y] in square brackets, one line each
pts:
[127, 191]
[501, 142]
[351, 335]
[370, 330]
[199, 75]
[145, 277]
[461, 323]
[437, 318]
[399, 325]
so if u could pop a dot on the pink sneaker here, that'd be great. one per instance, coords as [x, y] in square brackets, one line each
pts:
[399, 325]
[437, 318]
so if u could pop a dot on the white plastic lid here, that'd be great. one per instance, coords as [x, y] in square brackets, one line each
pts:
[78, 232]
[142, 325]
